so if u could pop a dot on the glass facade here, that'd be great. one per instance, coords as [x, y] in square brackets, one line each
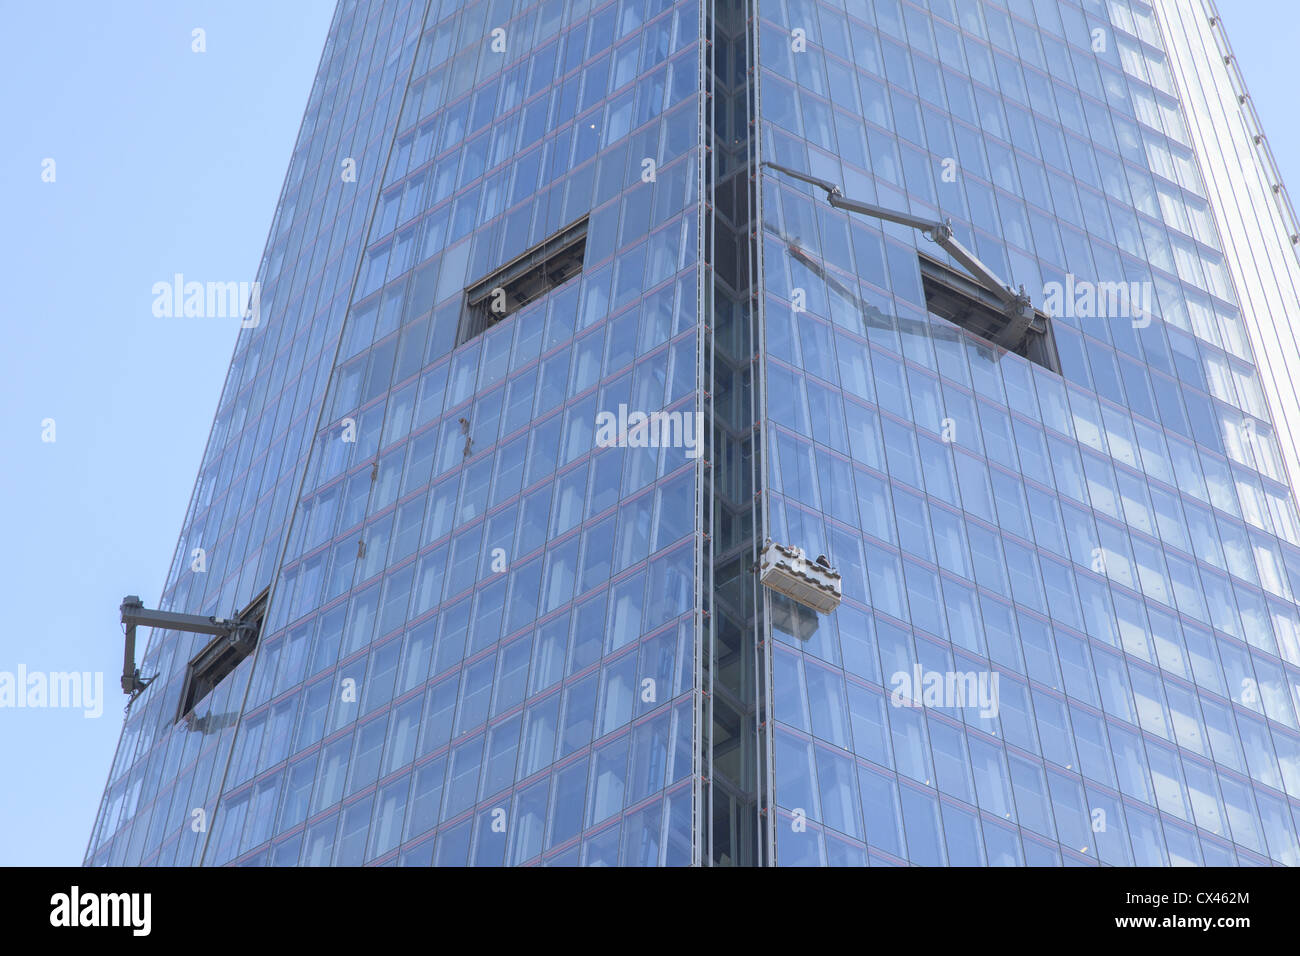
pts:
[1069, 632]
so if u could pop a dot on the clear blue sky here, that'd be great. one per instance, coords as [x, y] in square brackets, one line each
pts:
[166, 161]
[171, 161]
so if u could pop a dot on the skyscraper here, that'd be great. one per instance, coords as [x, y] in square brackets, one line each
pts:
[552, 359]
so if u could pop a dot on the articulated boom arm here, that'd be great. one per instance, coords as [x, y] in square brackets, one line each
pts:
[1016, 306]
[135, 614]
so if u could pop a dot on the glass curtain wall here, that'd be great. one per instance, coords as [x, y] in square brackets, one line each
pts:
[1068, 632]
[481, 643]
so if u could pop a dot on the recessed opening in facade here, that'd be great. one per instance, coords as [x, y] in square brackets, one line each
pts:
[959, 299]
[524, 279]
[220, 656]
